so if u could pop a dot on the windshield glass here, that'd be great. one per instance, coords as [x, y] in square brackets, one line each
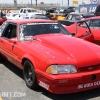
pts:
[14, 15]
[31, 10]
[32, 29]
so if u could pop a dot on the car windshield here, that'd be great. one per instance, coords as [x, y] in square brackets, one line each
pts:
[32, 29]
[31, 10]
[14, 15]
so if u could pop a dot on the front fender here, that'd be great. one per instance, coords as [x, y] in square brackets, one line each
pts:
[30, 58]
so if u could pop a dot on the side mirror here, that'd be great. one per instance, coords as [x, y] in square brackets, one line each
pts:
[13, 40]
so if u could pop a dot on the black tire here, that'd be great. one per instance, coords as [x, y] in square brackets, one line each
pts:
[29, 75]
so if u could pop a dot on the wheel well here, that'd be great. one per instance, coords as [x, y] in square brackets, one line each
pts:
[24, 59]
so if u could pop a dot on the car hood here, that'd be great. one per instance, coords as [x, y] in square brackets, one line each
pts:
[69, 50]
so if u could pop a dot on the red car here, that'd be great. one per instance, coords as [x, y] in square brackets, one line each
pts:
[86, 27]
[49, 56]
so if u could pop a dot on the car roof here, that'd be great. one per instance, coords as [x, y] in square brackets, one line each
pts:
[91, 18]
[23, 21]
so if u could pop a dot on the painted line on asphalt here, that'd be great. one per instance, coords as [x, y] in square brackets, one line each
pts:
[1, 98]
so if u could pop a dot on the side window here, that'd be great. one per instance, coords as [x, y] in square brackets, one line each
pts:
[83, 24]
[21, 10]
[3, 28]
[69, 17]
[10, 32]
[94, 23]
[78, 17]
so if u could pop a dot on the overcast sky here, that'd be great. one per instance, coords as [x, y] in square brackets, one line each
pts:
[65, 2]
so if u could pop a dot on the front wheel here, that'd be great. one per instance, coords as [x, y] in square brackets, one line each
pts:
[29, 75]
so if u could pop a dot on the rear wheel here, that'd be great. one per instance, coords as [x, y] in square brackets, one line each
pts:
[29, 75]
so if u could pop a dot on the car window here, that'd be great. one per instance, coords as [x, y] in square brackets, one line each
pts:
[76, 17]
[14, 15]
[83, 24]
[69, 17]
[3, 27]
[32, 29]
[26, 18]
[9, 32]
[95, 23]
[34, 10]
[21, 10]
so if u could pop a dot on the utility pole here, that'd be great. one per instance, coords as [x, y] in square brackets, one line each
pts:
[68, 2]
[31, 3]
[36, 3]
[62, 3]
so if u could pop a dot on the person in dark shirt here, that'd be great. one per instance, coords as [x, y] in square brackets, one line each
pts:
[1, 14]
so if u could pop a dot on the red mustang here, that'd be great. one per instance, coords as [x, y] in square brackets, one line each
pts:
[89, 27]
[49, 56]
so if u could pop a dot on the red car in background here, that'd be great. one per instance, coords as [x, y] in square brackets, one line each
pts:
[88, 27]
[49, 56]
[3, 19]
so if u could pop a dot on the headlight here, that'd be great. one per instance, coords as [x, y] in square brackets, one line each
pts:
[60, 69]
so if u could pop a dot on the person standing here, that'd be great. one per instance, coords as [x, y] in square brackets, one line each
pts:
[1, 14]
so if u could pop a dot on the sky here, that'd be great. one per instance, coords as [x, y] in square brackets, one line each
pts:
[65, 2]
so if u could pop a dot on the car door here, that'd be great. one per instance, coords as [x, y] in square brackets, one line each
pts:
[95, 28]
[83, 31]
[8, 48]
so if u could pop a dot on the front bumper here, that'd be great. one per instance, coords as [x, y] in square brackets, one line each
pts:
[69, 83]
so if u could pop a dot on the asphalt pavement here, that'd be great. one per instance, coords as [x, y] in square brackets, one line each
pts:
[11, 82]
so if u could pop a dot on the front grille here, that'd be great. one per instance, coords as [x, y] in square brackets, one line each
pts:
[89, 68]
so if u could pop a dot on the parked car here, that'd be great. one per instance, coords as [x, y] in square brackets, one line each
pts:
[74, 17]
[83, 27]
[49, 56]
[63, 11]
[78, 16]
[36, 17]
[12, 16]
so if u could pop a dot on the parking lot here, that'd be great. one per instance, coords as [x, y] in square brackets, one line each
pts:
[11, 80]
[12, 84]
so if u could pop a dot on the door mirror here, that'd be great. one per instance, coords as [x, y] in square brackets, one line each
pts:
[12, 40]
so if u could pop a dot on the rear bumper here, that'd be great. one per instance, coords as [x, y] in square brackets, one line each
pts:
[70, 83]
